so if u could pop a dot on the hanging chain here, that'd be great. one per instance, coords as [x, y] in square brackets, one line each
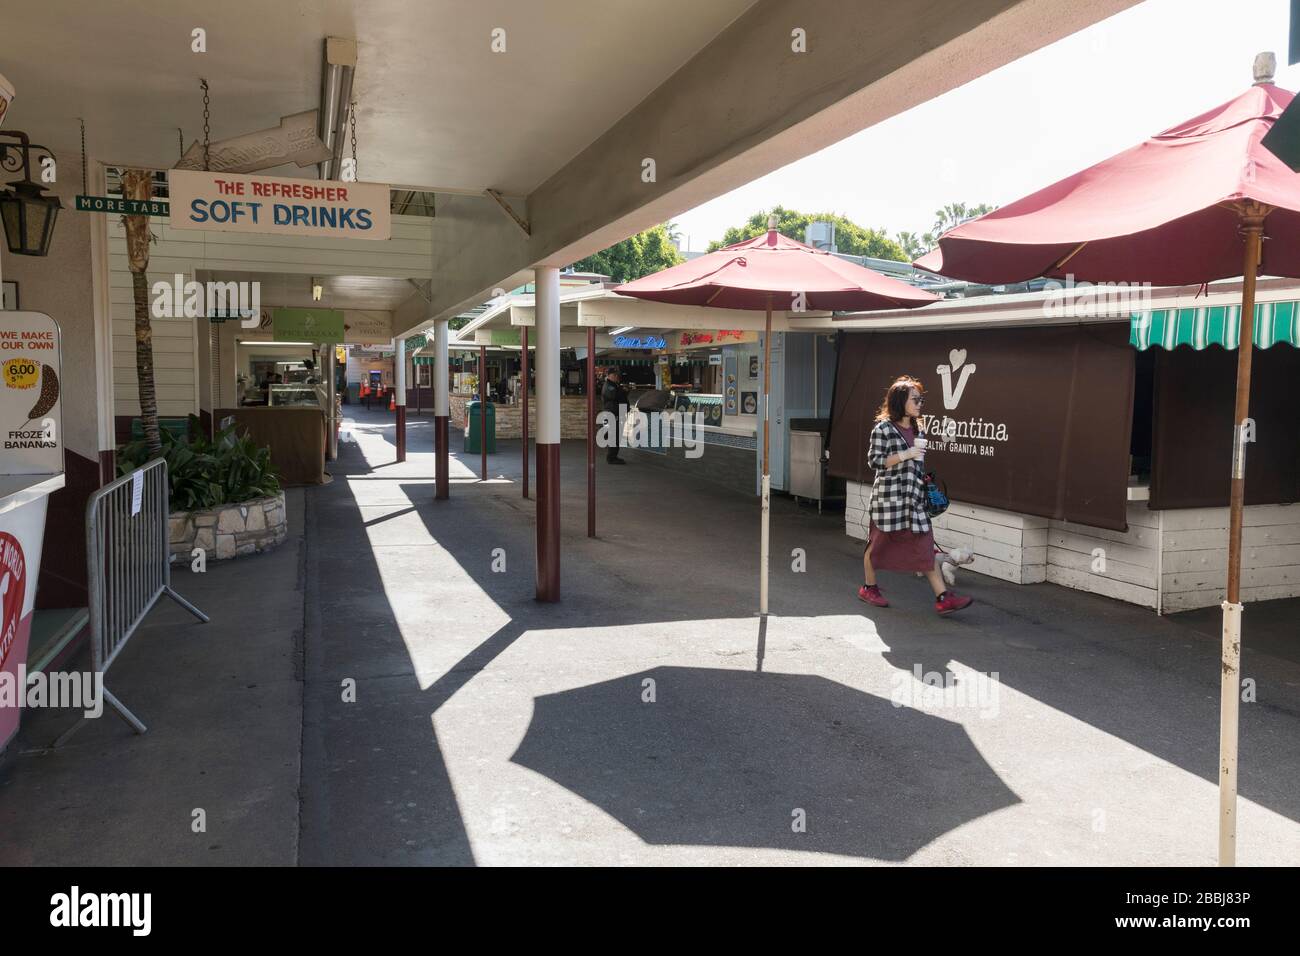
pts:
[206, 101]
[84, 190]
[180, 143]
[352, 118]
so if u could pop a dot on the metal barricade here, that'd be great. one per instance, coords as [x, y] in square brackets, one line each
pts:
[127, 563]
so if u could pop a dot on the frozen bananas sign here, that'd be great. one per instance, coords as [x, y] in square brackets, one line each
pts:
[31, 434]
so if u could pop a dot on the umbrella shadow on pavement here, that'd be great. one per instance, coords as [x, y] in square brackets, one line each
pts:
[712, 757]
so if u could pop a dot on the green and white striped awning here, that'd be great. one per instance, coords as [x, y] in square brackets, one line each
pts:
[1214, 325]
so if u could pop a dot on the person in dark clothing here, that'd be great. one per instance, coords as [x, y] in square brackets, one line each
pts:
[612, 397]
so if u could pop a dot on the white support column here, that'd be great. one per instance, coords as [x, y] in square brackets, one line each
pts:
[441, 410]
[548, 355]
[441, 370]
[331, 399]
[399, 361]
[547, 312]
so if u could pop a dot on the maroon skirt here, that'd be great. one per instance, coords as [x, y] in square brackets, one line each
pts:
[900, 550]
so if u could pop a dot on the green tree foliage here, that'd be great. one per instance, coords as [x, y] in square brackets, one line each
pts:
[640, 255]
[953, 214]
[204, 474]
[850, 238]
[913, 245]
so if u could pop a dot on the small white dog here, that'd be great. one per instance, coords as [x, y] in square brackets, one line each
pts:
[946, 562]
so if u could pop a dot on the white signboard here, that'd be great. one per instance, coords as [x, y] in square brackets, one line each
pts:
[364, 328]
[293, 141]
[31, 407]
[232, 202]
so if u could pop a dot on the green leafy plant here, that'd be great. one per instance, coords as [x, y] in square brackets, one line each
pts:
[205, 473]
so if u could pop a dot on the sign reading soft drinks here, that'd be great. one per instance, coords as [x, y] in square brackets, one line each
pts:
[230, 202]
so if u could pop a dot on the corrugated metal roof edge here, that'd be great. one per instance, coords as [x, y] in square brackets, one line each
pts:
[1028, 308]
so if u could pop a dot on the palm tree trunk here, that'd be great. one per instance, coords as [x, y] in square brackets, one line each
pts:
[144, 364]
[135, 185]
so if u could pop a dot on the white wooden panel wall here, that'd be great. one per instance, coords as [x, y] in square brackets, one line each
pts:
[1171, 560]
[407, 254]
[1007, 545]
[175, 344]
[1195, 558]
[1118, 564]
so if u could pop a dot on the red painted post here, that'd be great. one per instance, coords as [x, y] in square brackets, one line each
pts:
[523, 416]
[547, 313]
[441, 374]
[591, 432]
[482, 408]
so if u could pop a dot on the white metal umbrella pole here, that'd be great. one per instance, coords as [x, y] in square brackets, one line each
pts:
[1252, 227]
[764, 544]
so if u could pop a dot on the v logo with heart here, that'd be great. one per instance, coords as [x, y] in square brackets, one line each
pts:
[957, 361]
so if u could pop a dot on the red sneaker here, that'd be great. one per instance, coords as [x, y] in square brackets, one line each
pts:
[951, 601]
[871, 594]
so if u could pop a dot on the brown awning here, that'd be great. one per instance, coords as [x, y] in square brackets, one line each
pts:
[1032, 420]
[1192, 434]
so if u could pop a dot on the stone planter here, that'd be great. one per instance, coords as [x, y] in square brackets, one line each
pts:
[229, 531]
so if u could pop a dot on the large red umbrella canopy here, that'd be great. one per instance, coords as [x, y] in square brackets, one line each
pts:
[1198, 202]
[773, 273]
[1164, 212]
[770, 271]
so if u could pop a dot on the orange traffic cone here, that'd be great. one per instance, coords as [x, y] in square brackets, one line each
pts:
[392, 401]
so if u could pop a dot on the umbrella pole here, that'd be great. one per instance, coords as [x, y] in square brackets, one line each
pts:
[1252, 225]
[767, 481]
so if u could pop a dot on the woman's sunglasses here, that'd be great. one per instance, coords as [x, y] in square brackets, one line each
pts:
[919, 399]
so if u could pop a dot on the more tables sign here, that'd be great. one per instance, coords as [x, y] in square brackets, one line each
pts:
[126, 207]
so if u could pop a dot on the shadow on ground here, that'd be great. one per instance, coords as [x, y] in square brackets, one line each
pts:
[700, 756]
[674, 549]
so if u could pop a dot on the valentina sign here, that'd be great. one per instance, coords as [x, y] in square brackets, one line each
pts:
[229, 202]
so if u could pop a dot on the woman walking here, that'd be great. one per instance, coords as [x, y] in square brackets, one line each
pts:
[900, 536]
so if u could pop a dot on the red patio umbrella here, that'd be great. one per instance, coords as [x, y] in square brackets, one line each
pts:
[770, 272]
[1192, 204]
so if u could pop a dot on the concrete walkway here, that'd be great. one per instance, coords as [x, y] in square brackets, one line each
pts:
[385, 690]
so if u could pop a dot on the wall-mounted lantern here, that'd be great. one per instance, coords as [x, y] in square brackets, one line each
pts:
[26, 212]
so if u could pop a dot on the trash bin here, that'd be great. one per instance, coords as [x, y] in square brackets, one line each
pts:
[474, 421]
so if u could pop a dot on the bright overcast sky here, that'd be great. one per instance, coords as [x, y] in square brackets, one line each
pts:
[1029, 124]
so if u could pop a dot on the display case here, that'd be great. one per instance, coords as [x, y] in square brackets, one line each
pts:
[298, 395]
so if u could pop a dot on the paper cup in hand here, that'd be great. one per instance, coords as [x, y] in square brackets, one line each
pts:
[921, 443]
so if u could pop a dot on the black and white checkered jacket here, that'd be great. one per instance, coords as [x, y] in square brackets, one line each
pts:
[898, 493]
